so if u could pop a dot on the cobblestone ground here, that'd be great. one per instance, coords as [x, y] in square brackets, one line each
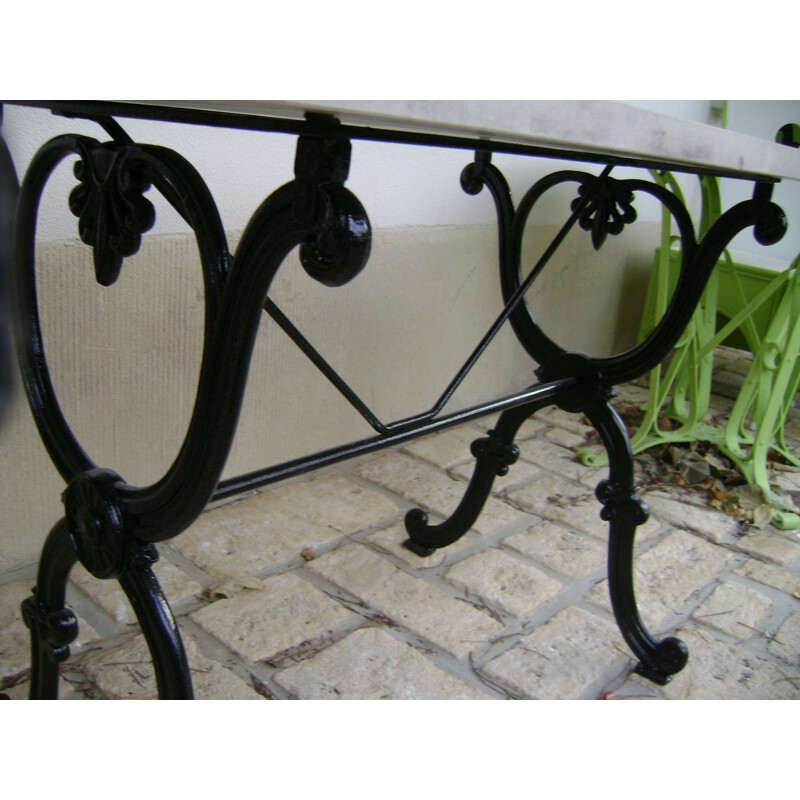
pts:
[304, 591]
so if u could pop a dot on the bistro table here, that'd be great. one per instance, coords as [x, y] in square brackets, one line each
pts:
[112, 528]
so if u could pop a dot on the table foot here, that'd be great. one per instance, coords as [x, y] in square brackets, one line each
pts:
[410, 544]
[494, 454]
[670, 658]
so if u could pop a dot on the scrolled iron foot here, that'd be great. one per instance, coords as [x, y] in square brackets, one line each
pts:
[494, 454]
[493, 458]
[658, 660]
[417, 525]
[670, 657]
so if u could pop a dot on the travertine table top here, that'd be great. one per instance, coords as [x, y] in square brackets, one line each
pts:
[591, 126]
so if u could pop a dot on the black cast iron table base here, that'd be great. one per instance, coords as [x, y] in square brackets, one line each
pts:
[112, 527]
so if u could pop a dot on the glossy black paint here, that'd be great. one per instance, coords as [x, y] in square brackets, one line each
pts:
[111, 526]
[53, 626]
[494, 454]
[624, 512]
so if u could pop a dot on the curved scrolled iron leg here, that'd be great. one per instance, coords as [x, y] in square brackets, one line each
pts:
[53, 626]
[624, 511]
[91, 532]
[494, 454]
[158, 625]
[105, 546]
[110, 526]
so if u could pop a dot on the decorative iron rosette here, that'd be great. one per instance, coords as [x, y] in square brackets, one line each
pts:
[608, 212]
[110, 206]
[95, 522]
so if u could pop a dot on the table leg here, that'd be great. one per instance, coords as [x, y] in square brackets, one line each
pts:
[494, 454]
[110, 526]
[609, 210]
[90, 532]
[624, 512]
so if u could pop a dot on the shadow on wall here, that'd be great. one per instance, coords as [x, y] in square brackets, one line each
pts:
[8, 196]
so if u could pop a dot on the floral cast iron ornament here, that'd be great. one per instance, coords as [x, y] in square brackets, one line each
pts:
[111, 209]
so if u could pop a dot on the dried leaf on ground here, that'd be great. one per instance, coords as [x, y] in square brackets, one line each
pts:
[230, 588]
[750, 496]
[699, 470]
[762, 516]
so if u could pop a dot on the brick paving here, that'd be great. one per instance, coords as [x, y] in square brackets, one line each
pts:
[303, 591]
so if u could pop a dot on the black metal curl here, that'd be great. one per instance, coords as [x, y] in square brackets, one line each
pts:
[177, 180]
[493, 456]
[473, 178]
[770, 224]
[339, 238]
[697, 260]
[54, 627]
[313, 210]
[532, 337]
[697, 263]
[511, 226]
[293, 215]
[340, 245]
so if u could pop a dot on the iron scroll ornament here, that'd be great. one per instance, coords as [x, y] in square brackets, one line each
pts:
[607, 216]
[110, 526]
[110, 204]
[608, 211]
[324, 218]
